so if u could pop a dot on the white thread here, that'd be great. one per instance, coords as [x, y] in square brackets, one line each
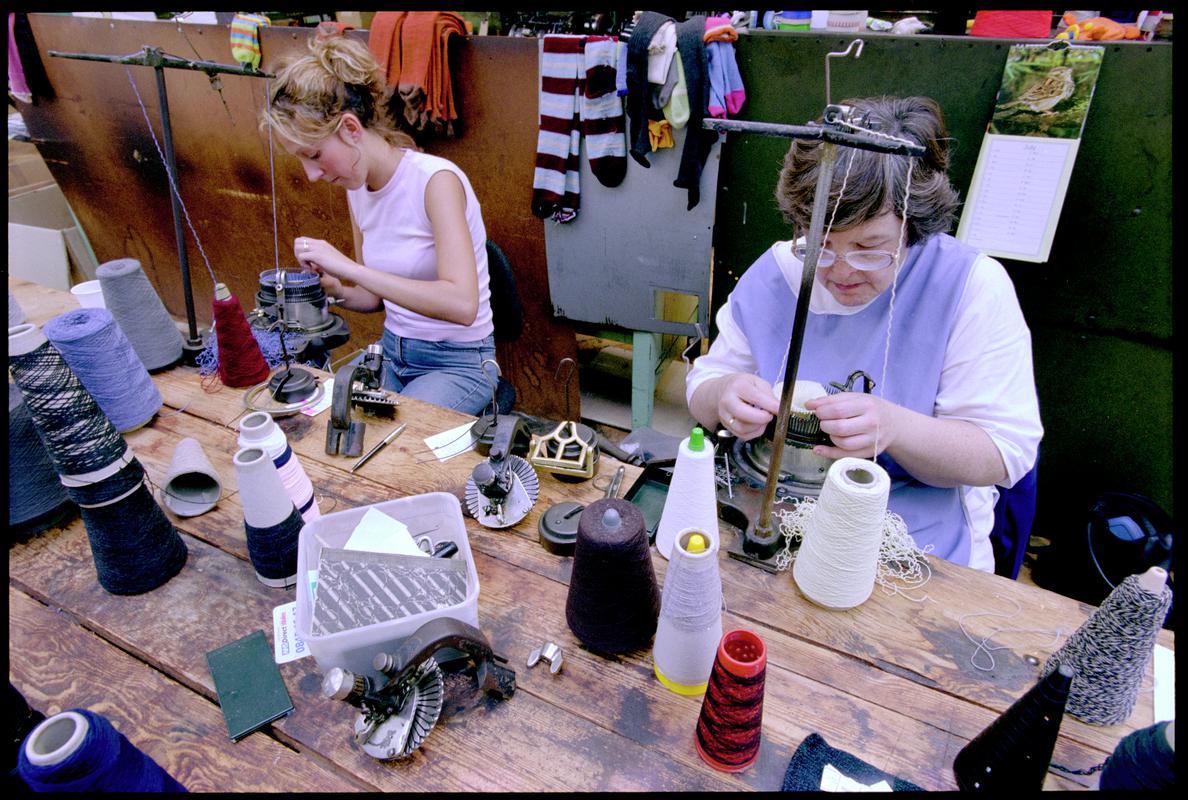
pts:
[903, 565]
[272, 178]
[981, 646]
[907, 193]
[839, 550]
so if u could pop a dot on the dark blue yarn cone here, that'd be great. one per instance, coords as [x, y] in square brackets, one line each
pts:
[36, 498]
[105, 761]
[273, 550]
[135, 546]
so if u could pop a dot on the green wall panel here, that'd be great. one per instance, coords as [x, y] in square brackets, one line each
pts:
[1100, 310]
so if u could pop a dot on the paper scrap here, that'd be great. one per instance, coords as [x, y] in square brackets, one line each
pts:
[1165, 683]
[448, 444]
[379, 533]
[313, 409]
[287, 643]
[832, 780]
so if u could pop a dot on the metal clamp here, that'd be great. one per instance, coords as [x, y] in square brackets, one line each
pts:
[550, 653]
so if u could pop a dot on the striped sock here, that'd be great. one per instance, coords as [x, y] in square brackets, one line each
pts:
[245, 38]
[601, 112]
[555, 187]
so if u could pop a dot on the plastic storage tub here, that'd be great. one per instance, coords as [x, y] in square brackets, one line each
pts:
[438, 514]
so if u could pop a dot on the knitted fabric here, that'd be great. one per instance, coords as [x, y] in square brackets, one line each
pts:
[555, 183]
[245, 38]
[727, 93]
[698, 141]
[384, 42]
[639, 93]
[425, 84]
[808, 763]
[601, 113]
[676, 110]
[660, 134]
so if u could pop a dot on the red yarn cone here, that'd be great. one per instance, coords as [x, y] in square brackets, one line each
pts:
[731, 721]
[240, 361]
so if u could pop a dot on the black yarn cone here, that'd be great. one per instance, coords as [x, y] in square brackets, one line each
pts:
[1015, 751]
[614, 603]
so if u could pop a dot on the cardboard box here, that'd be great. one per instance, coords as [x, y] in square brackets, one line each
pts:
[45, 245]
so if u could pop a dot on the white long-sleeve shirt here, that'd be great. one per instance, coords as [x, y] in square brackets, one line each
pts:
[986, 378]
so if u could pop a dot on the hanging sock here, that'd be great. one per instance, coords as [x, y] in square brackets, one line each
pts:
[601, 113]
[639, 91]
[555, 186]
[676, 110]
[698, 142]
[383, 39]
[245, 39]
[727, 93]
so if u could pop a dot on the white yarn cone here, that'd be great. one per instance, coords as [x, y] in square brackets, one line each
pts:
[692, 500]
[191, 486]
[259, 429]
[839, 556]
[261, 493]
[690, 625]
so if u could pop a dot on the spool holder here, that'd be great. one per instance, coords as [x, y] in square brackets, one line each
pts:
[761, 541]
[156, 58]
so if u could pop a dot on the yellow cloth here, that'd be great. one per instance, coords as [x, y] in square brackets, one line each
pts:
[659, 134]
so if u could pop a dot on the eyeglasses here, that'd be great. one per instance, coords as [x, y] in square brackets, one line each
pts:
[864, 260]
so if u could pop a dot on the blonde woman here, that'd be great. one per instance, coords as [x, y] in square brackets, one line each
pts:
[416, 220]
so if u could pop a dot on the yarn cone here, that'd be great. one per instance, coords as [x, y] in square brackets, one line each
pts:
[36, 498]
[99, 353]
[241, 363]
[141, 315]
[259, 429]
[16, 314]
[838, 559]
[1014, 752]
[191, 486]
[1112, 649]
[690, 625]
[692, 499]
[730, 726]
[270, 520]
[81, 751]
[135, 547]
[613, 600]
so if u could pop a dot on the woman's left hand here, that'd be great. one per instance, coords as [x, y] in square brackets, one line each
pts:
[853, 420]
[323, 258]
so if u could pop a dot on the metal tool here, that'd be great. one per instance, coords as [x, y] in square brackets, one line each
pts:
[397, 716]
[399, 429]
[357, 386]
[550, 653]
[501, 490]
[570, 449]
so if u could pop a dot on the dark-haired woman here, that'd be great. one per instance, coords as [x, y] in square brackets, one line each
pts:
[956, 414]
[417, 221]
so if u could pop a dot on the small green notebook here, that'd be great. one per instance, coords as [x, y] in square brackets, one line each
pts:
[251, 690]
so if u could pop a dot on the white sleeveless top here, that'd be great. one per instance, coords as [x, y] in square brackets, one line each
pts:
[398, 239]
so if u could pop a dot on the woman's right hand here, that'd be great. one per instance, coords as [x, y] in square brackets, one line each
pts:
[746, 404]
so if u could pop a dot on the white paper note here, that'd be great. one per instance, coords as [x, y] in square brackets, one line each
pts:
[379, 533]
[287, 644]
[448, 444]
[1165, 683]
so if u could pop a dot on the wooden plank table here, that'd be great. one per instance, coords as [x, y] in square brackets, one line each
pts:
[891, 681]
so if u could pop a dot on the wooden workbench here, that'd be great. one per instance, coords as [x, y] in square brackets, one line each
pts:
[891, 681]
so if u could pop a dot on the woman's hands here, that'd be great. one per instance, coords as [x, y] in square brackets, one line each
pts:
[853, 421]
[327, 261]
[746, 404]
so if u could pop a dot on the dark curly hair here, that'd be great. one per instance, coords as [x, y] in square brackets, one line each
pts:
[876, 180]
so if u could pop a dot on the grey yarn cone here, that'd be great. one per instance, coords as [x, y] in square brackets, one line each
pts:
[16, 314]
[141, 315]
[191, 486]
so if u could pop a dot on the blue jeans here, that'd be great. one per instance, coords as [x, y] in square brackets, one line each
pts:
[447, 374]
